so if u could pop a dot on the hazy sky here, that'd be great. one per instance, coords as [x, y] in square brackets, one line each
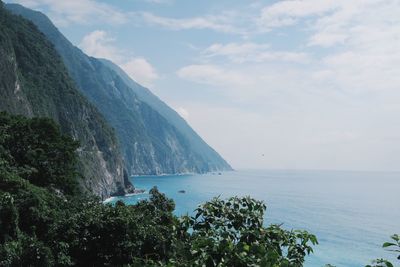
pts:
[311, 84]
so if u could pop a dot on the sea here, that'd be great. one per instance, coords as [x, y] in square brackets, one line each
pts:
[352, 213]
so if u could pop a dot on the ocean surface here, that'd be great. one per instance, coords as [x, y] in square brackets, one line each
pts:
[352, 213]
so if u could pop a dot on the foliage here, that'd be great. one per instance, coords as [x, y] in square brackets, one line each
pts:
[393, 246]
[35, 82]
[8, 218]
[45, 221]
[36, 150]
[115, 235]
[142, 122]
[231, 233]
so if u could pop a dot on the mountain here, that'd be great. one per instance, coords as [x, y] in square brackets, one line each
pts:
[154, 138]
[34, 82]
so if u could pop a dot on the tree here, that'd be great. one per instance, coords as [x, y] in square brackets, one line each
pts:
[44, 221]
[8, 218]
[36, 150]
[393, 246]
[231, 233]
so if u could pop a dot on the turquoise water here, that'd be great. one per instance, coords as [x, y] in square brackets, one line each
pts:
[352, 213]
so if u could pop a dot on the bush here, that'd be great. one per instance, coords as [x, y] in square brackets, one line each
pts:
[45, 221]
[231, 233]
[36, 150]
[393, 246]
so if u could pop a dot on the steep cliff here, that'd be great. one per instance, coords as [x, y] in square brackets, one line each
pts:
[35, 82]
[154, 138]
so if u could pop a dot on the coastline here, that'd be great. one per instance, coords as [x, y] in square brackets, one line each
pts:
[181, 174]
[137, 192]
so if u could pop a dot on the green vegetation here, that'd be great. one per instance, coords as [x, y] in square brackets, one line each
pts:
[154, 138]
[36, 150]
[35, 83]
[46, 221]
[231, 233]
[393, 246]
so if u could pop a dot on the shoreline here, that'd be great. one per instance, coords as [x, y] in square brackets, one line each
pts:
[137, 192]
[179, 174]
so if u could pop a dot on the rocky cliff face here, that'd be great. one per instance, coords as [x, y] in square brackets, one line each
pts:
[154, 138]
[35, 82]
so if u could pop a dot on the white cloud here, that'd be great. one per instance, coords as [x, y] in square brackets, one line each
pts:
[369, 36]
[100, 44]
[183, 112]
[336, 110]
[140, 70]
[361, 38]
[279, 87]
[285, 13]
[63, 13]
[324, 94]
[224, 22]
[235, 49]
[253, 52]
[327, 39]
[78, 11]
[159, 1]
[214, 75]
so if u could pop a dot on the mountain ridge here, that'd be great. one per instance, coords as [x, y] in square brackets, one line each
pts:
[35, 83]
[154, 138]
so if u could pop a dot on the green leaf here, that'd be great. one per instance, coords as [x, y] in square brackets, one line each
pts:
[388, 244]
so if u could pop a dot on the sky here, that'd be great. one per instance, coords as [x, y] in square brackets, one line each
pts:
[269, 84]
